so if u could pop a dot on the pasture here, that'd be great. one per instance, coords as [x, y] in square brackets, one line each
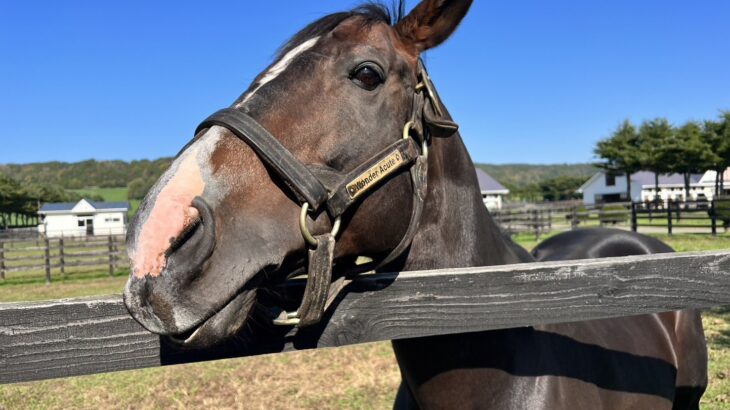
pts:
[363, 376]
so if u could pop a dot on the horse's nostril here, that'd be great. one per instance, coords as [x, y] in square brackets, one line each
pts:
[194, 245]
[186, 234]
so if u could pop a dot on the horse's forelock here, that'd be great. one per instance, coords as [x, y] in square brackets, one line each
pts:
[369, 13]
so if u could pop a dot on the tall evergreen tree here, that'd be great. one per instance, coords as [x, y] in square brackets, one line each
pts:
[688, 153]
[621, 153]
[711, 134]
[653, 136]
[724, 147]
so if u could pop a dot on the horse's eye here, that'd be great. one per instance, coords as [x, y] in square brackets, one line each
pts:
[367, 77]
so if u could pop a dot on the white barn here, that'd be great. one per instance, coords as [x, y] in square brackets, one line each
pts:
[492, 191]
[83, 218]
[604, 188]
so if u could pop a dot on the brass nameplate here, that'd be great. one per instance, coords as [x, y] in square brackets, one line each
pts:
[382, 169]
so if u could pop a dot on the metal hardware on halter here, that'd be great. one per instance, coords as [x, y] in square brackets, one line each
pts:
[410, 125]
[289, 319]
[426, 83]
[305, 231]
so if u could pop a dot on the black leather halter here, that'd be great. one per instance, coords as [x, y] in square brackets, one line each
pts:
[427, 120]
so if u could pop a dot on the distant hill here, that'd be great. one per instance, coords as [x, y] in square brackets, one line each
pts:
[90, 173]
[114, 174]
[523, 176]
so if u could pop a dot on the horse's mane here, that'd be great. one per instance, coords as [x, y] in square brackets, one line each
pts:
[370, 13]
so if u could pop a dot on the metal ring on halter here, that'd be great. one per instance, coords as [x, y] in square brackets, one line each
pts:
[407, 129]
[308, 237]
[425, 83]
[406, 134]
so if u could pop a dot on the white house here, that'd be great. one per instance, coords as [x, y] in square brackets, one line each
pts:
[492, 191]
[83, 218]
[603, 187]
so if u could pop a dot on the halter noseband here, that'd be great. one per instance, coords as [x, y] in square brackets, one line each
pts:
[427, 120]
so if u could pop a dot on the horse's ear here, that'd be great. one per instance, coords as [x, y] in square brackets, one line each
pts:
[431, 22]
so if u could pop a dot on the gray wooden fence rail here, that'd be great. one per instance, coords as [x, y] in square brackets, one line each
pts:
[84, 336]
[47, 254]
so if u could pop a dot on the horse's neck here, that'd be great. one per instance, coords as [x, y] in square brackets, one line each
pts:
[456, 230]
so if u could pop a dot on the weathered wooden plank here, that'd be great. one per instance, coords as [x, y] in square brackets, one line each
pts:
[74, 337]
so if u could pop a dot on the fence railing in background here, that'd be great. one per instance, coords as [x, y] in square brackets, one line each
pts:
[536, 220]
[690, 216]
[44, 340]
[61, 254]
[30, 232]
[697, 215]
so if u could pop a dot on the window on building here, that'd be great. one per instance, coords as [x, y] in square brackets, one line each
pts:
[82, 222]
[116, 219]
[610, 179]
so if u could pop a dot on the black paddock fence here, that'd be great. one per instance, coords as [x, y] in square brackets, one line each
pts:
[74, 337]
[671, 217]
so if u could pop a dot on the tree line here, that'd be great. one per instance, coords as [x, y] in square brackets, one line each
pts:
[89, 173]
[662, 148]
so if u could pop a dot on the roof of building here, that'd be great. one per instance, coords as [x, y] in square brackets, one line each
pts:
[489, 184]
[709, 177]
[69, 206]
[646, 178]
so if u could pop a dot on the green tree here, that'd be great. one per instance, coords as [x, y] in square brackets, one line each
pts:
[621, 153]
[653, 136]
[138, 187]
[561, 188]
[724, 147]
[711, 136]
[687, 152]
[716, 134]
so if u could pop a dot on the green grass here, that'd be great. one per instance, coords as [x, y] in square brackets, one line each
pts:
[717, 332]
[111, 195]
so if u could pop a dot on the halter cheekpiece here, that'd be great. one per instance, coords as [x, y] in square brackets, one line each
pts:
[410, 151]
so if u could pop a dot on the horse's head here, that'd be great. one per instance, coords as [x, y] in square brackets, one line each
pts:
[221, 222]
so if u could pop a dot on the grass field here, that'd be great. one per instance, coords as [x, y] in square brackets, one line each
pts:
[354, 377]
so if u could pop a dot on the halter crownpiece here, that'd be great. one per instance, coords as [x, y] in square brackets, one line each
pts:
[427, 120]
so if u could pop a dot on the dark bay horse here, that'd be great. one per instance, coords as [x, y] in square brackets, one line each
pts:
[220, 226]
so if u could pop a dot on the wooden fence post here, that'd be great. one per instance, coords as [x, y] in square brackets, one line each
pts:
[574, 217]
[634, 219]
[111, 255]
[47, 253]
[61, 258]
[2, 260]
[713, 218]
[550, 220]
[669, 218]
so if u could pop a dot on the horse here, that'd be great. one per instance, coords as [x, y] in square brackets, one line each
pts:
[340, 157]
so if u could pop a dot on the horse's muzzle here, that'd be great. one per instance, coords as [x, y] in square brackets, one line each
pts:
[158, 302]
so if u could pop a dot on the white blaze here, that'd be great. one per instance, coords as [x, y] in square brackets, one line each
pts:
[281, 65]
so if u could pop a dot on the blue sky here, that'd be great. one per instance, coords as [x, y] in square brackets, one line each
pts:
[529, 81]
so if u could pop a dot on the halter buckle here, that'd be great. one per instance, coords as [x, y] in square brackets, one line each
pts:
[289, 319]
